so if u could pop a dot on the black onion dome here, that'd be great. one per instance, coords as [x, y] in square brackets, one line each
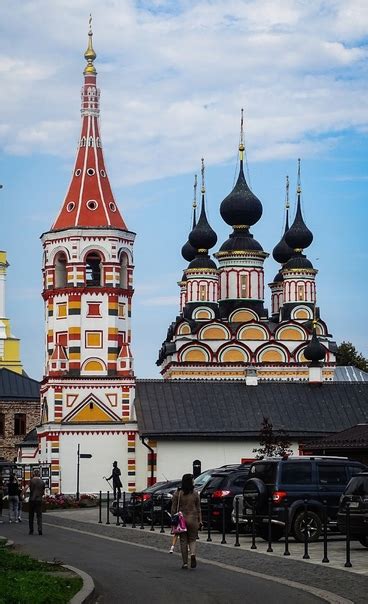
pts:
[241, 240]
[298, 236]
[298, 261]
[314, 351]
[241, 206]
[278, 278]
[282, 252]
[184, 277]
[188, 252]
[202, 236]
[202, 261]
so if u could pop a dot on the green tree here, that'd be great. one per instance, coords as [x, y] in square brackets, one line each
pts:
[273, 443]
[347, 354]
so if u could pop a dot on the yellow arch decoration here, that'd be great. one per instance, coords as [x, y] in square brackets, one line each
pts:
[252, 333]
[241, 316]
[198, 355]
[233, 355]
[272, 356]
[93, 366]
[290, 333]
[184, 329]
[202, 314]
[214, 333]
[301, 313]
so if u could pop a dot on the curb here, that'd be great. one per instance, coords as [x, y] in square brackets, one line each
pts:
[8, 543]
[85, 594]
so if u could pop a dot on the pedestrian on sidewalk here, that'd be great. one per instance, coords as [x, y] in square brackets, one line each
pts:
[13, 498]
[21, 498]
[186, 500]
[116, 482]
[36, 491]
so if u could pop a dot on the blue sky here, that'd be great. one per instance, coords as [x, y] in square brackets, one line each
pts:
[173, 78]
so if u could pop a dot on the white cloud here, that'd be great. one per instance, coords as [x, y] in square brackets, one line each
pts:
[174, 77]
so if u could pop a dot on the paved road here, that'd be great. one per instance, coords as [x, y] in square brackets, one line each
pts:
[127, 573]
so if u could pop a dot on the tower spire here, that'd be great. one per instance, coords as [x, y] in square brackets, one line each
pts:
[241, 141]
[195, 200]
[90, 54]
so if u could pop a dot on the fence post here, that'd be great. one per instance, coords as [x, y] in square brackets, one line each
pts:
[100, 508]
[269, 549]
[142, 516]
[286, 552]
[133, 510]
[253, 546]
[209, 538]
[117, 509]
[236, 544]
[152, 515]
[306, 554]
[108, 508]
[223, 540]
[124, 509]
[162, 530]
[325, 559]
[348, 564]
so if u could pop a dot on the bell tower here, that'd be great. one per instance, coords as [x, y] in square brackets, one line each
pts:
[88, 390]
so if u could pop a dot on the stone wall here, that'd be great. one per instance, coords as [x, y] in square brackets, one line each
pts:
[31, 409]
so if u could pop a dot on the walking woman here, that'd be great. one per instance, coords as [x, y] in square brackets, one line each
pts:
[186, 500]
[13, 499]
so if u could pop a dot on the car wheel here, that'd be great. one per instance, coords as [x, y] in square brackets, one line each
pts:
[276, 532]
[314, 526]
[364, 541]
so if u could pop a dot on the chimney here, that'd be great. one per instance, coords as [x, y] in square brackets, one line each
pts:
[251, 378]
[315, 373]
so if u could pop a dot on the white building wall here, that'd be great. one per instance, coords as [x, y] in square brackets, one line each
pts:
[175, 458]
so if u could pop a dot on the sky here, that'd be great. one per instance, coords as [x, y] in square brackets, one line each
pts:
[173, 78]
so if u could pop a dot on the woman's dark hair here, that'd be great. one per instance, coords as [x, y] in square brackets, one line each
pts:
[187, 483]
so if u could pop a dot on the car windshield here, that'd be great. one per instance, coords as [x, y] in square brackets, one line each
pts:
[154, 487]
[215, 483]
[266, 471]
[202, 479]
[358, 486]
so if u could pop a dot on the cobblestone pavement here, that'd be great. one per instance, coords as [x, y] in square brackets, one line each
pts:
[348, 583]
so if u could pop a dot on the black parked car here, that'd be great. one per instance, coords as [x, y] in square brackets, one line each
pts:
[220, 490]
[134, 501]
[162, 498]
[204, 477]
[356, 496]
[316, 479]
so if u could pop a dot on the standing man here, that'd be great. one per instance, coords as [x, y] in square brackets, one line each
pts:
[36, 491]
[116, 482]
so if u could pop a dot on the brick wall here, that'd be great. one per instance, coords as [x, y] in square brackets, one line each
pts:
[8, 443]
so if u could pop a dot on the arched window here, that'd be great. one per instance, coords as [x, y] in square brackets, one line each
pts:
[60, 270]
[124, 271]
[93, 270]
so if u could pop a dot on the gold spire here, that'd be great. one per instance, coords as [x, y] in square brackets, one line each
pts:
[203, 188]
[287, 204]
[241, 142]
[299, 187]
[195, 192]
[314, 322]
[90, 54]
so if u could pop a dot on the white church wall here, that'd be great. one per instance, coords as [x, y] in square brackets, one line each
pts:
[175, 458]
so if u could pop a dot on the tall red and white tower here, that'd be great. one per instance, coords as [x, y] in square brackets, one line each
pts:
[88, 390]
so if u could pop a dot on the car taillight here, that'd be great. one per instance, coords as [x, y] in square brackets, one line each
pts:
[146, 496]
[278, 496]
[219, 493]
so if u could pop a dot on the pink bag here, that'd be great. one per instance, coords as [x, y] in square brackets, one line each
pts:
[181, 526]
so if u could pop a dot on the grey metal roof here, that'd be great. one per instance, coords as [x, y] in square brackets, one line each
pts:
[231, 409]
[14, 386]
[347, 373]
[355, 437]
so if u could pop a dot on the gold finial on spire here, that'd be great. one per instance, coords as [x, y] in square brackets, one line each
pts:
[195, 192]
[241, 142]
[203, 188]
[299, 186]
[287, 204]
[90, 54]
[314, 322]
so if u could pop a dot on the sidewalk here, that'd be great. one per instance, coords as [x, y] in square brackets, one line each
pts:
[351, 584]
[336, 544]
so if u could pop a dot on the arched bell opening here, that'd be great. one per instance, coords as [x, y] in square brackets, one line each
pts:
[60, 270]
[93, 270]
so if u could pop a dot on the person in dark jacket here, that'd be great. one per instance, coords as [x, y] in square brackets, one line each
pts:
[116, 482]
[186, 500]
[1, 498]
[13, 498]
[36, 491]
